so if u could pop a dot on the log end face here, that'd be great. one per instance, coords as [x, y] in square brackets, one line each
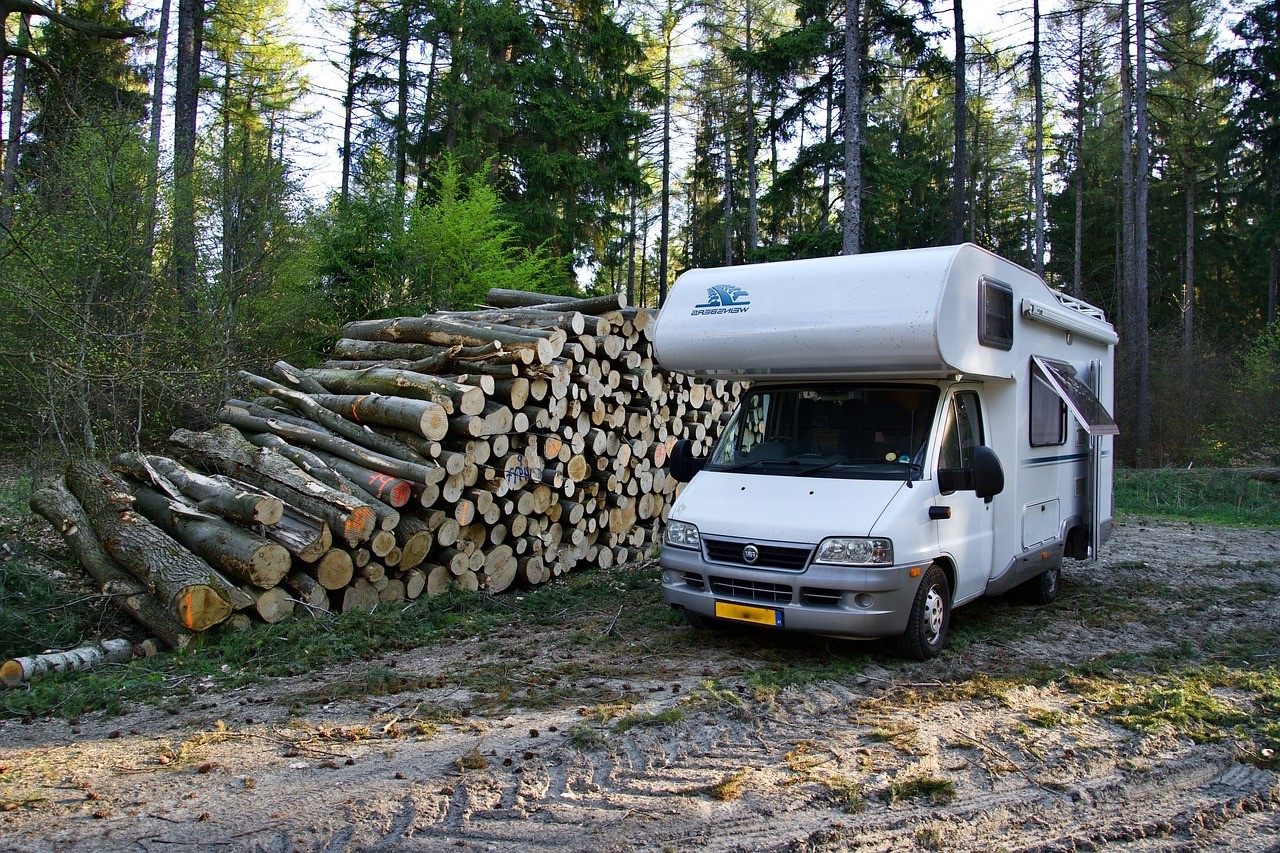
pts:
[199, 607]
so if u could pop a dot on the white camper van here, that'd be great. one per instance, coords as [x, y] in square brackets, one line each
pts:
[921, 428]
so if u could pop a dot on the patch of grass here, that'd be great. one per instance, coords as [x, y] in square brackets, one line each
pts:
[731, 787]
[1211, 496]
[659, 718]
[1049, 718]
[1207, 704]
[811, 763]
[587, 736]
[935, 789]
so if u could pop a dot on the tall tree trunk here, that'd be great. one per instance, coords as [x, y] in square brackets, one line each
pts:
[1037, 180]
[157, 121]
[1128, 308]
[1189, 282]
[664, 228]
[1077, 269]
[631, 228]
[828, 139]
[959, 166]
[753, 209]
[185, 104]
[428, 107]
[728, 187]
[1141, 349]
[1273, 253]
[13, 139]
[348, 106]
[402, 101]
[852, 236]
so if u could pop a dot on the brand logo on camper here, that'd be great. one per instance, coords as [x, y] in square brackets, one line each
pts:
[750, 554]
[723, 299]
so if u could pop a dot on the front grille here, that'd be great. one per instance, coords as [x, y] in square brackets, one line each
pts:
[771, 556]
[774, 593]
[694, 580]
[821, 597]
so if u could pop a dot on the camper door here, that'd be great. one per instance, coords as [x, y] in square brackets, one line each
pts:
[1094, 419]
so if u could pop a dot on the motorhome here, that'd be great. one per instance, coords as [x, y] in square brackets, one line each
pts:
[921, 428]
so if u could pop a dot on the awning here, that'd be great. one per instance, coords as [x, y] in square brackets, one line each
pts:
[1080, 399]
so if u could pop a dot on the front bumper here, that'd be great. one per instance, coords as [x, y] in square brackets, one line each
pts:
[837, 600]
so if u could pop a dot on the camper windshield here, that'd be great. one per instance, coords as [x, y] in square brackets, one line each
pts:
[856, 431]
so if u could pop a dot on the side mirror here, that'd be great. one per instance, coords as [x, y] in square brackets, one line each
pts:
[985, 477]
[684, 465]
[988, 475]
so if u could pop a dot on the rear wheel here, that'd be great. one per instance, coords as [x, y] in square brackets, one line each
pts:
[1044, 588]
[930, 617]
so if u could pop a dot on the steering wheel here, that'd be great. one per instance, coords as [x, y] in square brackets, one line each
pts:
[784, 439]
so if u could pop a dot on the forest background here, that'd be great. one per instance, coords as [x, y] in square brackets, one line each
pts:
[156, 232]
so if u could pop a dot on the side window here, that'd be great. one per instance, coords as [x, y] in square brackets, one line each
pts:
[995, 314]
[962, 431]
[1048, 412]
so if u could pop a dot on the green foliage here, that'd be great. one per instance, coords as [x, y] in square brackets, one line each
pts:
[452, 245]
[459, 245]
[37, 612]
[1212, 496]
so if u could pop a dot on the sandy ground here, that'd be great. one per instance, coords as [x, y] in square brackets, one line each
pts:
[708, 760]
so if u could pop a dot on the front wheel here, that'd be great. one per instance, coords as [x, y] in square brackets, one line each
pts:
[930, 617]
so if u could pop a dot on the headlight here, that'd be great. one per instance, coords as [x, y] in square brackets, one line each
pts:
[855, 551]
[682, 534]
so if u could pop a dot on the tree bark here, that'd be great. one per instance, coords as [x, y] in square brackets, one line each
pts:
[960, 165]
[229, 453]
[231, 549]
[195, 594]
[226, 498]
[468, 400]
[852, 224]
[56, 504]
[21, 670]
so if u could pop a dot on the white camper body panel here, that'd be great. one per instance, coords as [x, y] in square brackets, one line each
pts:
[912, 313]
[958, 319]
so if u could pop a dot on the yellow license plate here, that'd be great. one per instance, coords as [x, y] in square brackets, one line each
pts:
[747, 613]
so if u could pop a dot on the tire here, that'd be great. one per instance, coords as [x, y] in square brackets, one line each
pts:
[708, 623]
[930, 617]
[1044, 588]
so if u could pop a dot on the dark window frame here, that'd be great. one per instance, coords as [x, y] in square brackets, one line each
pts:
[995, 314]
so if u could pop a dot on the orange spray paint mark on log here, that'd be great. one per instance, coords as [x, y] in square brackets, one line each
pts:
[358, 524]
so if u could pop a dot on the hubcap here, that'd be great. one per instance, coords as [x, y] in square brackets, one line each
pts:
[934, 610]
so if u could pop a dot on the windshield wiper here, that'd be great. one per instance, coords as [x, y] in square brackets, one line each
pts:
[742, 466]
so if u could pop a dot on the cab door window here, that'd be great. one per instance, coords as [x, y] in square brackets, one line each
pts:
[962, 430]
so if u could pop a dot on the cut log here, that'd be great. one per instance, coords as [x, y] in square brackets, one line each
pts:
[335, 569]
[217, 495]
[56, 504]
[466, 399]
[196, 595]
[302, 535]
[317, 465]
[21, 670]
[231, 549]
[310, 595]
[306, 406]
[271, 605]
[226, 451]
[428, 419]
[360, 595]
[421, 472]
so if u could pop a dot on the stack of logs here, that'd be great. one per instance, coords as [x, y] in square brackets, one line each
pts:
[475, 449]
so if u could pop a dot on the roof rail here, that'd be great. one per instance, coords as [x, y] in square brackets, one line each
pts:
[1067, 301]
